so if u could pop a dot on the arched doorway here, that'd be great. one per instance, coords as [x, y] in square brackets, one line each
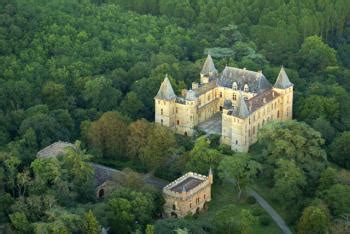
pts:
[185, 133]
[173, 215]
[101, 193]
[197, 210]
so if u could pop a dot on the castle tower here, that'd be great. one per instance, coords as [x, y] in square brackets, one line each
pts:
[192, 118]
[284, 87]
[165, 104]
[239, 141]
[208, 70]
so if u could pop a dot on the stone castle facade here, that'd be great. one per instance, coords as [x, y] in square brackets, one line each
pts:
[187, 195]
[245, 101]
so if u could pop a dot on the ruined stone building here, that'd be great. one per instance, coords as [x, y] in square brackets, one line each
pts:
[187, 195]
[235, 104]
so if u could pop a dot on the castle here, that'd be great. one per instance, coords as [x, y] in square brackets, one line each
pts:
[187, 195]
[237, 102]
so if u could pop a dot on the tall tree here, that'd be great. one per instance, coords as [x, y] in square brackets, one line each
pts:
[107, 135]
[295, 141]
[239, 169]
[340, 149]
[91, 225]
[314, 220]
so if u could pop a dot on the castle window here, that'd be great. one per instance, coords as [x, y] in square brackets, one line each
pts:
[234, 97]
[236, 142]
[190, 205]
[204, 196]
[161, 122]
[234, 86]
[177, 122]
[278, 114]
[246, 88]
[174, 207]
[161, 111]
[220, 94]
[176, 109]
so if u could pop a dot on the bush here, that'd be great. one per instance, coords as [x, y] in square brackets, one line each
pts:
[264, 220]
[251, 200]
[257, 210]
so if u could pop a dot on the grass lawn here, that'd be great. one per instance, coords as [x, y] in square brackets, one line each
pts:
[224, 204]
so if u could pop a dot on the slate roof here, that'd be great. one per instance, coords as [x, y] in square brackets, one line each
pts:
[242, 110]
[205, 88]
[256, 81]
[103, 174]
[208, 67]
[166, 91]
[187, 184]
[260, 100]
[227, 104]
[283, 81]
[56, 149]
[190, 95]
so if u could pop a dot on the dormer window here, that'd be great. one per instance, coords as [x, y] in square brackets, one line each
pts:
[234, 86]
[246, 88]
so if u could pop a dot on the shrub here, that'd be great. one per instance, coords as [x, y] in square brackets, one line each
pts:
[251, 200]
[264, 220]
[257, 210]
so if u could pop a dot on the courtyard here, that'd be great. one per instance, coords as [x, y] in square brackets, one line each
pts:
[212, 125]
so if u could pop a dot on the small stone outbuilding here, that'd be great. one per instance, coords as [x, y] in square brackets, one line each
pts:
[187, 195]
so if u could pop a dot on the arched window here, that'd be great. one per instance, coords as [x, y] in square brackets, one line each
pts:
[178, 122]
[246, 88]
[234, 97]
[234, 86]
[161, 122]
[174, 207]
[161, 111]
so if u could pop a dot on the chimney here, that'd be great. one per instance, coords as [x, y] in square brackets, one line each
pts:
[210, 176]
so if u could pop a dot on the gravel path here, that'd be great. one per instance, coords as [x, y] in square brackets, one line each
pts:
[274, 215]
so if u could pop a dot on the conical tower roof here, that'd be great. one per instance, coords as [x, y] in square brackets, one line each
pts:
[208, 67]
[166, 90]
[243, 111]
[282, 81]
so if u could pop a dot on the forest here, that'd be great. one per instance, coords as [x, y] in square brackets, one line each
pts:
[86, 71]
